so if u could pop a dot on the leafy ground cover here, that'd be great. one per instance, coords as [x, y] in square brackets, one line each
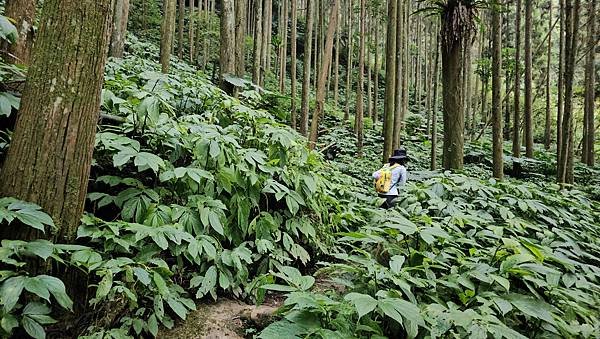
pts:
[196, 195]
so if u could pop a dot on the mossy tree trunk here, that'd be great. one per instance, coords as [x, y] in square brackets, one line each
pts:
[23, 13]
[497, 138]
[390, 81]
[167, 31]
[119, 31]
[49, 159]
[322, 82]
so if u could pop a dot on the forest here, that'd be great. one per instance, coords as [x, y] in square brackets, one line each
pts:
[299, 169]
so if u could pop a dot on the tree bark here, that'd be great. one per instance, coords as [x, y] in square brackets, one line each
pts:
[240, 37]
[561, 80]
[307, 62]
[434, 106]
[390, 81]
[23, 13]
[399, 73]
[227, 54]
[336, 67]
[167, 30]
[119, 31]
[293, 37]
[49, 158]
[497, 138]
[548, 129]
[376, 77]
[456, 30]
[565, 167]
[528, 82]
[314, 127]
[589, 154]
[516, 147]
[181, 7]
[267, 30]
[192, 29]
[256, 67]
[349, 59]
[361, 75]
[283, 21]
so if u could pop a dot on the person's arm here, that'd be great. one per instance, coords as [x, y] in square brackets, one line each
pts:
[403, 176]
[377, 174]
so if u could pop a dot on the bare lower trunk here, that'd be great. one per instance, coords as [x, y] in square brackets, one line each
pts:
[49, 158]
[314, 127]
[293, 37]
[516, 147]
[548, 130]
[390, 81]
[528, 82]
[240, 37]
[119, 32]
[256, 67]
[166, 34]
[307, 62]
[23, 14]
[349, 64]
[361, 75]
[497, 138]
[227, 55]
[589, 154]
[434, 106]
[180, 25]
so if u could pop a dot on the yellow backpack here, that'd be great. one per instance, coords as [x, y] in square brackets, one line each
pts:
[384, 183]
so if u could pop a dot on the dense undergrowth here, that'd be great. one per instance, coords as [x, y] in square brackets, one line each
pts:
[196, 195]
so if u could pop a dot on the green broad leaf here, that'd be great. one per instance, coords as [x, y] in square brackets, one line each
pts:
[40, 248]
[10, 291]
[145, 160]
[57, 289]
[504, 331]
[104, 286]
[8, 31]
[363, 303]
[501, 281]
[430, 233]
[153, 325]
[36, 286]
[33, 328]
[43, 319]
[283, 329]
[160, 283]
[277, 287]
[7, 102]
[215, 150]
[402, 224]
[36, 308]
[34, 218]
[292, 204]
[215, 222]
[124, 156]
[503, 306]
[396, 263]
[408, 310]
[532, 307]
[177, 307]
[9, 322]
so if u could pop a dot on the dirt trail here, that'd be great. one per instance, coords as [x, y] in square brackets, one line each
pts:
[225, 319]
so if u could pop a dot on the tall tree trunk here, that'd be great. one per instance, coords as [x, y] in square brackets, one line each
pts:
[516, 147]
[167, 30]
[310, 4]
[293, 38]
[267, 37]
[361, 80]
[368, 66]
[336, 67]
[528, 82]
[192, 29]
[376, 76]
[283, 21]
[589, 154]
[23, 14]
[561, 80]
[548, 129]
[227, 54]
[497, 138]
[390, 81]
[456, 30]
[434, 107]
[240, 37]
[119, 31]
[180, 27]
[256, 67]
[468, 88]
[314, 126]
[350, 55]
[206, 40]
[399, 74]
[406, 48]
[565, 167]
[49, 158]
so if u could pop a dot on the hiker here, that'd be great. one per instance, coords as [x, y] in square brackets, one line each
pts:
[390, 177]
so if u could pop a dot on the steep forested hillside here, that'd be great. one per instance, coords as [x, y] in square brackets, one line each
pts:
[161, 156]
